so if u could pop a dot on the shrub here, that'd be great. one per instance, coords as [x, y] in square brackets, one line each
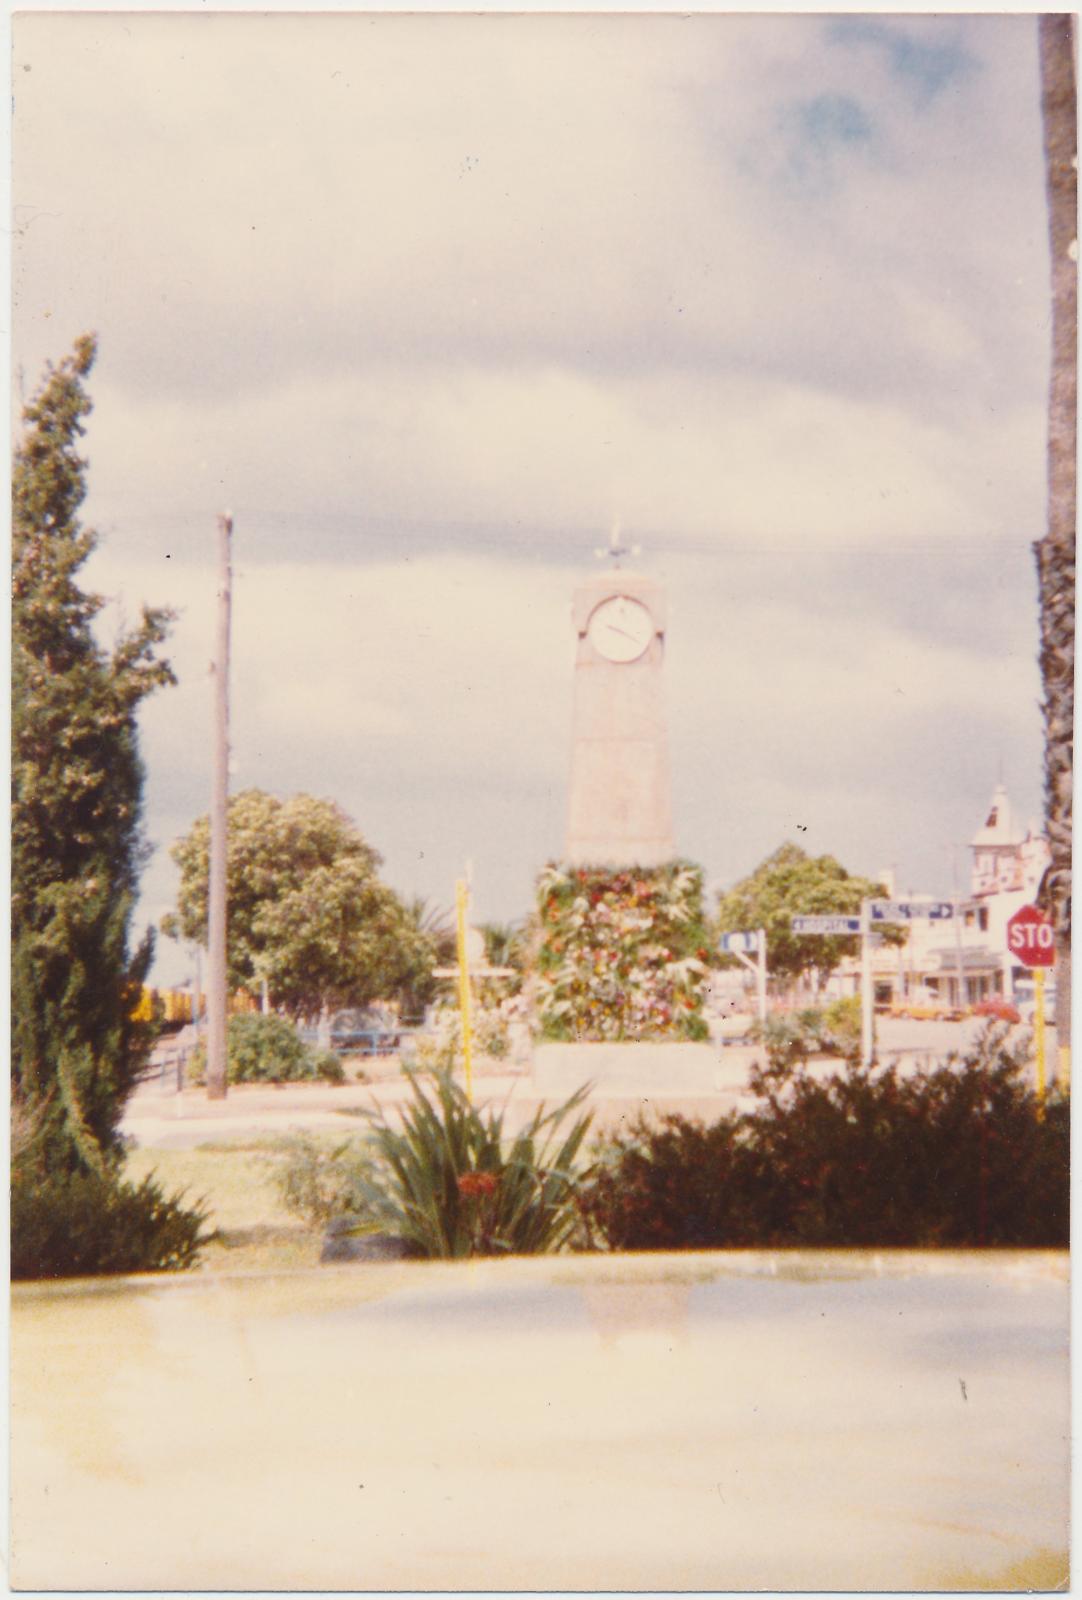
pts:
[791, 1038]
[268, 1049]
[434, 1053]
[842, 1027]
[441, 1051]
[317, 1180]
[960, 1156]
[493, 1035]
[445, 1182]
[88, 1223]
[327, 1065]
[673, 1184]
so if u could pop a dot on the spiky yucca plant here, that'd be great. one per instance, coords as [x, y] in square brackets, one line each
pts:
[451, 1184]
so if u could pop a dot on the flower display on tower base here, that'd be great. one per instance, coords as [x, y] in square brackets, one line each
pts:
[624, 953]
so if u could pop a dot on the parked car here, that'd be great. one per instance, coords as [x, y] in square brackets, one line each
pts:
[371, 1031]
[919, 1008]
[999, 1008]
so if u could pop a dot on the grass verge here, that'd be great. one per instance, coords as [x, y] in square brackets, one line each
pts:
[254, 1231]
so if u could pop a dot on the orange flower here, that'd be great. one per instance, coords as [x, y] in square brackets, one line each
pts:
[474, 1184]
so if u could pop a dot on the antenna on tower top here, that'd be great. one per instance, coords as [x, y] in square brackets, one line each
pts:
[614, 549]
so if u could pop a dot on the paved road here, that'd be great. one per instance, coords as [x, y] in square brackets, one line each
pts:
[901, 1033]
[158, 1117]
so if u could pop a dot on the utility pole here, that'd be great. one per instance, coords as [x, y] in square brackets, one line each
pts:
[867, 989]
[216, 979]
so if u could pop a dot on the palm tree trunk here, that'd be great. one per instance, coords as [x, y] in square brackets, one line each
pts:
[1055, 552]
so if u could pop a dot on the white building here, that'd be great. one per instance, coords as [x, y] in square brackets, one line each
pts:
[959, 962]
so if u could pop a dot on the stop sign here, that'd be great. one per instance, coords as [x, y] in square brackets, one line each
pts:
[1030, 938]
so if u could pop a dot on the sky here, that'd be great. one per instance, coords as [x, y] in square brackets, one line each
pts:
[428, 302]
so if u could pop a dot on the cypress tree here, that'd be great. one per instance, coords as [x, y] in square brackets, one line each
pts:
[77, 783]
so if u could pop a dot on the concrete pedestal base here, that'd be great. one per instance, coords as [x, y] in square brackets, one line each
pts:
[680, 1068]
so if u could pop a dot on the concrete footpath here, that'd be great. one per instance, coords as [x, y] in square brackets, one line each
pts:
[160, 1118]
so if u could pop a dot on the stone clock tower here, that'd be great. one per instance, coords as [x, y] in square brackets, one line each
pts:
[621, 958]
[619, 812]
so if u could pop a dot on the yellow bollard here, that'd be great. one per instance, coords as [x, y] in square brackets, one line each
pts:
[1038, 1036]
[464, 1007]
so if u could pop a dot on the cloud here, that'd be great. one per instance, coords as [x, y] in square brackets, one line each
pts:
[427, 301]
[320, 193]
[739, 461]
[371, 278]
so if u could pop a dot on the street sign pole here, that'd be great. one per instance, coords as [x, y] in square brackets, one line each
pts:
[758, 967]
[867, 1029]
[1039, 1036]
[1031, 941]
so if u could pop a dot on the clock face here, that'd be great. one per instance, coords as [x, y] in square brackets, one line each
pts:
[620, 629]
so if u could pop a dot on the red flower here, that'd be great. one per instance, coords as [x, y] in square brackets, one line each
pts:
[472, 1185]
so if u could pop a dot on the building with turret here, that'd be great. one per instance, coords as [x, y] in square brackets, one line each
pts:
[1006, 860]
[958, 963]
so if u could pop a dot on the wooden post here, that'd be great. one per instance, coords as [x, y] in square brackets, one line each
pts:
[217, 993]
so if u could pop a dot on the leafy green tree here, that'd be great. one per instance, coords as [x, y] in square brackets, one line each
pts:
[791, 883]
[77, 781]
[308, 914]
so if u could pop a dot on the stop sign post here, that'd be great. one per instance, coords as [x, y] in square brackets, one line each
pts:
[1031, 941]
[1030, 938]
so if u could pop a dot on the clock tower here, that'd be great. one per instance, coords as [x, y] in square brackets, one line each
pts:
[619, 811]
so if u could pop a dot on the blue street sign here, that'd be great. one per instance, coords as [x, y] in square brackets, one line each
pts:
[825, 924]
[732, 942]
[908, 910]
